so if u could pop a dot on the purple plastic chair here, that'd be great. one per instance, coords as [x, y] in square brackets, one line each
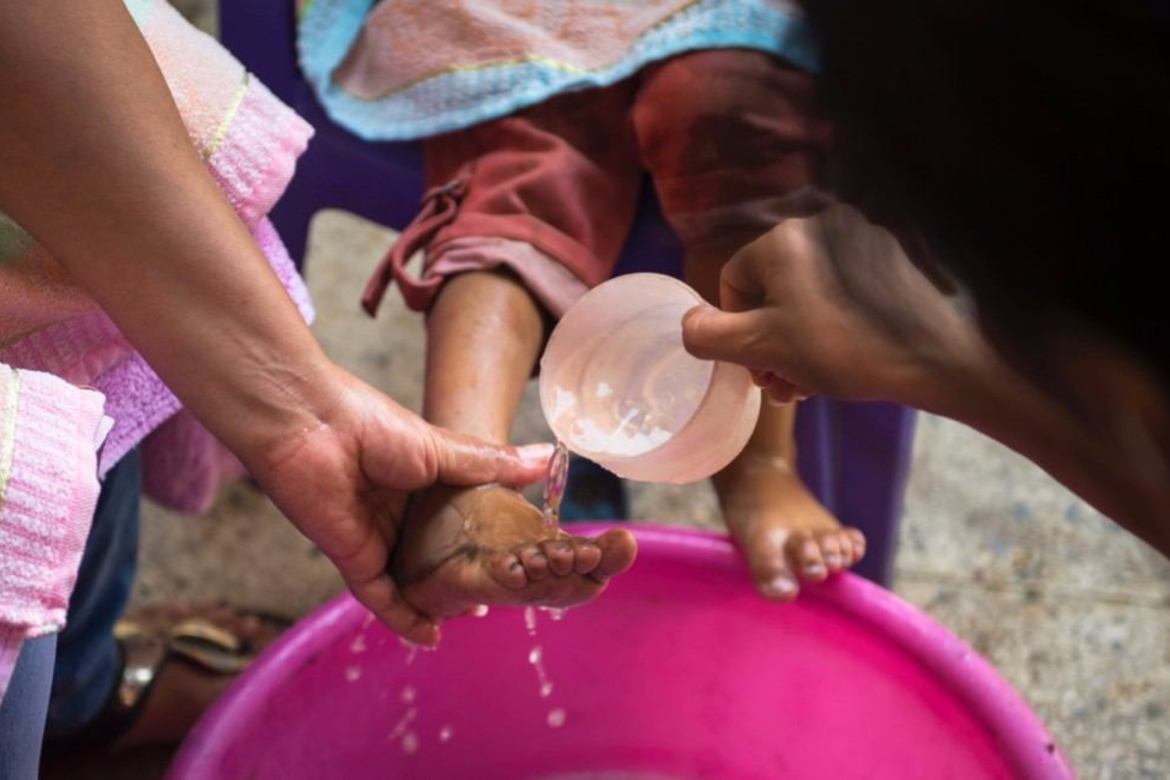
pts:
[853, 456]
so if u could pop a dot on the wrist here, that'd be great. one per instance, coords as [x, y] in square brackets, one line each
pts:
[273, 407]
[950, 374]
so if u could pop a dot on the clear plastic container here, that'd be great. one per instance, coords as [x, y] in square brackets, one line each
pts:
[617, 386]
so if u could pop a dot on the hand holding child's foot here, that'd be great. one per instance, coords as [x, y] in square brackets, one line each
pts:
[785, 533]
[460, 548]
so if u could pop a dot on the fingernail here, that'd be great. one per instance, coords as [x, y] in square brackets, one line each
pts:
[832, 560]
[814, 570]
[535, 454]
[780, 586]
[480, 611]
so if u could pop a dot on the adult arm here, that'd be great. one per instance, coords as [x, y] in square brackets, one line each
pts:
[97, 166]
[832, 305]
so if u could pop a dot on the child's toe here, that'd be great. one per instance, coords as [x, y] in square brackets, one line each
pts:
[560, 556]
[616, 549]
[809, 561]
[845, 542]
[768, 561]
[831, 552]
[535, 562]
[858, 540]
[587, 556]
[508, 571]
[780, 585]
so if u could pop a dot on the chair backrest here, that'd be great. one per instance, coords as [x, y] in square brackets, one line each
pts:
[262, 35]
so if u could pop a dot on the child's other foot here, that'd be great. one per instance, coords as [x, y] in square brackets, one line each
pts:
[463, 547]
[786, 535]
[593, 493]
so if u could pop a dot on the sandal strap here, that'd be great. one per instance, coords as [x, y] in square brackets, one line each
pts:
[210, 647]
[143, 655]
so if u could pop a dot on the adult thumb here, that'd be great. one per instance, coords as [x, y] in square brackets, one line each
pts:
[735, 337]
[465, 460]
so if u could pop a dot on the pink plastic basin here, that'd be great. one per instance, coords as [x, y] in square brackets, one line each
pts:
[679, 671]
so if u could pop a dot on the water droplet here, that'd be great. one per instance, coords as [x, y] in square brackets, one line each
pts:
[353, 673]
[410, 743]
[358, 645]
[557, 614]
[556, 718]
[530, 620]
[445, 733]
[555, 480]
[403, 722]
[408, 694]
[536, 658]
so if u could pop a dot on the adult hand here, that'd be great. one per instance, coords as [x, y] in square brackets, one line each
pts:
[98, 166]
[343, 482]
[830, 304]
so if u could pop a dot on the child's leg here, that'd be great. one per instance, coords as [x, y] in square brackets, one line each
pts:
[484, 333]
[487, 545]
[785, 532]
[525, 235]
[732, 159]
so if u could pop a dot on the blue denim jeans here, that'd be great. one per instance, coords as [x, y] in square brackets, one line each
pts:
[22, 713]
[88, 659]
[63, 681]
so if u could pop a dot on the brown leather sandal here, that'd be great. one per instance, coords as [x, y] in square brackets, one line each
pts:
[153, 637]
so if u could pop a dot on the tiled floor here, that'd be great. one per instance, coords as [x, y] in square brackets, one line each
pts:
[1075, 613]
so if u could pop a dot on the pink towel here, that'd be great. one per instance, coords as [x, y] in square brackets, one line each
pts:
[49, 435]
[407, 42]
[90, 350]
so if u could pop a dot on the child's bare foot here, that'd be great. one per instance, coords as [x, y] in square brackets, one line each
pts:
[785, 533]
[462, 547]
